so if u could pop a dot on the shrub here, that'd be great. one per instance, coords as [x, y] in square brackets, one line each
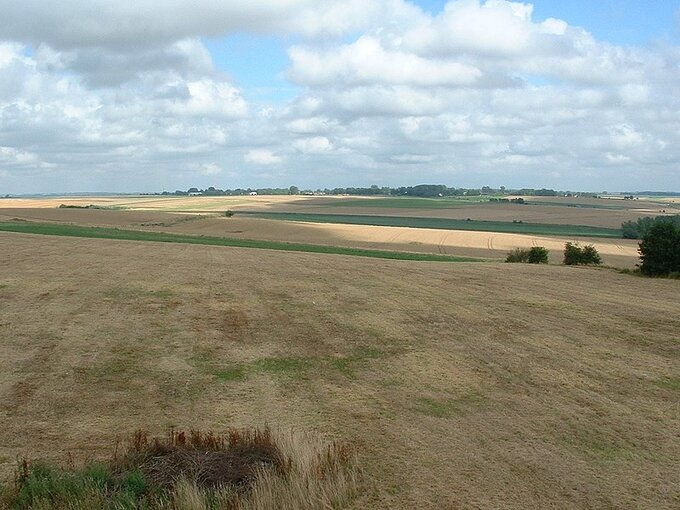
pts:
[538, 255]
[535, 255]
[518, 255]
[229, 213]
[660, 250]
[574, 254]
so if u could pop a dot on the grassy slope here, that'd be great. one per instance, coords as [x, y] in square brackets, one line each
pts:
[464, 385]
[58, 229]
[446, 224]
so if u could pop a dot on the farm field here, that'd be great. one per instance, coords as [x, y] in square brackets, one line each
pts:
[467, 385]
[549, 210]
[491, 245]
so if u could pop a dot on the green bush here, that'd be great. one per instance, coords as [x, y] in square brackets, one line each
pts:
[660, 250]
[538, 255]
[518, 255]
[574, 254]
[535, 255]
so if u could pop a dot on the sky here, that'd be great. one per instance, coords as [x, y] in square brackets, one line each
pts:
[144, 96]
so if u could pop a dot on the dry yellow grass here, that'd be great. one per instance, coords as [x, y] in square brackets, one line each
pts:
[463, 385]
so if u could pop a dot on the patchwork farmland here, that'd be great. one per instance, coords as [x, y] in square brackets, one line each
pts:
[458, 383]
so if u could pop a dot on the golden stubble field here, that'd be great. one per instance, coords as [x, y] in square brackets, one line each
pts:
[462, 385]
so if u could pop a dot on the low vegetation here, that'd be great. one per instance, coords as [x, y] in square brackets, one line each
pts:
[574, 254]
[241, 469]
[534, 255]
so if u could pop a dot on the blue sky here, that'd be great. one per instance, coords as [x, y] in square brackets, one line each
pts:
[132, 96]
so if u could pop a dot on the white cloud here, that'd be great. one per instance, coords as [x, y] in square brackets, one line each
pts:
[367, 62]
[119, 96]
[313, 145]
[210, 169]
[495, 27]
[616, 159]
[125, 25]
[262, 157]
[208, 98]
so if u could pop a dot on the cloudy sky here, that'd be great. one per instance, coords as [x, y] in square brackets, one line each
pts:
[121, 95]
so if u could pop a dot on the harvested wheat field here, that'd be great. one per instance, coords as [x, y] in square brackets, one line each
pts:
[491, 245]
[152, 203]
[461, 385]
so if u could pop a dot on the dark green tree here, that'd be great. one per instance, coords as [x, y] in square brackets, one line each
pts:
[660, 249]
[576, 255]
[538, 255]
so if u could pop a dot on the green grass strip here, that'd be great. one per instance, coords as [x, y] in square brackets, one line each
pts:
[445, 224]
[60, 229]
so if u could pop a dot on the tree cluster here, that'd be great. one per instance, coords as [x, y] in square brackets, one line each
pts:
[574, 254]
[639, 228]
[420, 190]
[660, 249]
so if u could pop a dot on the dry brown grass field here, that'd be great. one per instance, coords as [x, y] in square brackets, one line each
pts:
[464, 385]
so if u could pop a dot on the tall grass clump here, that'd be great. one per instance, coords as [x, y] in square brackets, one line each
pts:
[242, 469]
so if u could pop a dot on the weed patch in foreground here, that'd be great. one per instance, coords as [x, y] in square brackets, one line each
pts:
[670, 383]
[241, 469]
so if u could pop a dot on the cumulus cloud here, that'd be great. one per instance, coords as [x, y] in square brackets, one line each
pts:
[367, 62]
[113, 95]
[313, 145]
[128, 25]
[262, 157]
[210, 169]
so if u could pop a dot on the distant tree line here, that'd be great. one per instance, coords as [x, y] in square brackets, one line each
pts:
[420, 190]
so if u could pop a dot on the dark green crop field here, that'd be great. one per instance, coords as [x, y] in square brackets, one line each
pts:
[446, 224]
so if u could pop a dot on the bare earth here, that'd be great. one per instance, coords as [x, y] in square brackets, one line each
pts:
[463, 385]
